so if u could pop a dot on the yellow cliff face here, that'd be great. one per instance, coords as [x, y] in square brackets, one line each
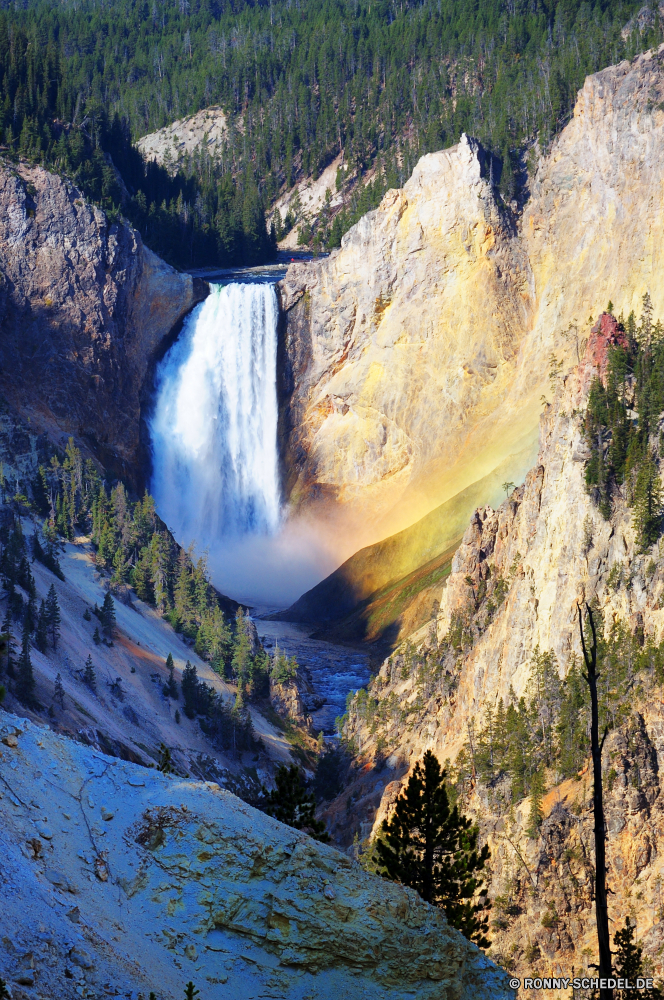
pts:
[544, 551]
[419, 352]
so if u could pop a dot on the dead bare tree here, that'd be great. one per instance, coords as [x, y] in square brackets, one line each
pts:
[596, 746]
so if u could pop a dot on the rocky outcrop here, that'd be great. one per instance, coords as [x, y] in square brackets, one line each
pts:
[395, 359]
[85, 309]
[516, 581]
[546, 548]
[204, 131]
[420, 350]
[115, 874]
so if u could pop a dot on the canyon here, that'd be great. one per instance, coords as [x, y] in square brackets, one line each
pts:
[416, 356]
[516, 583]
[444, 353]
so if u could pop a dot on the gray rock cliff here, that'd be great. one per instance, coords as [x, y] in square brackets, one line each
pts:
[85, 309]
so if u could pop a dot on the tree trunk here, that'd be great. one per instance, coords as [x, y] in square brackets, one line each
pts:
[601, 908]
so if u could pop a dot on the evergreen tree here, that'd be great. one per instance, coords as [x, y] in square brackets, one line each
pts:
[171, 687]
[25, 678]
[107, 615]
[241, 659]
[96, 638]
[536, 793]
[4, 992]
[432, 848]
[41, 635]
[648, 503]
[53, 618]
[165, 764]
[10, 641]
[190, 991]
[30, 618]
[87, 616]
[290, 803]
[89, 675]
[190, 690]
[59, 691]
[628, 964]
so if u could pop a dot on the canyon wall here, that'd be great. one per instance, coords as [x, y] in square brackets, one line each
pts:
[417, 354]
[85, 309]
[515, 585]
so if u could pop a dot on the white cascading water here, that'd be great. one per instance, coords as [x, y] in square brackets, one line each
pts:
[214, 425]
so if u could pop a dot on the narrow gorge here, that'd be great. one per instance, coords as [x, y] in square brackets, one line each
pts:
[333, 512]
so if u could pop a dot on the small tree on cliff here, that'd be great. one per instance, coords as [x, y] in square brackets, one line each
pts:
[432, 848]
[171, 685]
[241, 659]
[629, 965]
[290, 803]
[25, 680]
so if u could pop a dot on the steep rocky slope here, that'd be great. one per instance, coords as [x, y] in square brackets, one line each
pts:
[204, 131]
[127, 713]
[418, 352]
[118, 879]
[85, 308]
[514, 588]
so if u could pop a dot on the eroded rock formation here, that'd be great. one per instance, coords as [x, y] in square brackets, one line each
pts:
[172, 144]
[85, 308]
[515, 585]
[115, 874]
[420, 350]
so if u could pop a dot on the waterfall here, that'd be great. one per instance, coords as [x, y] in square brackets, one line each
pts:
[214, 424]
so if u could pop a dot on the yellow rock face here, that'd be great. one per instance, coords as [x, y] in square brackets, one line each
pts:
[420, 351]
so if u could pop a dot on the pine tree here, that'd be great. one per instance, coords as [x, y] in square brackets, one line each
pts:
[290, 803]
[241, 659]
[171, 687]
[165, 764]
[536, 793]
[10, 648]
[30, 618]
[59, 691]
[89, 675]
[87, 616]
[96, 638]
[4, 992]
[433, 849]
[107, 615]
[190, 690]
[53, 616]
[190, 991]
[25, 679]
[648, 503]
[41, 635]
[629, 965]
[177, 716]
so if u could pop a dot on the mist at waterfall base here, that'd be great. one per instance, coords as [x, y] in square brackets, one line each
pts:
[215, 476]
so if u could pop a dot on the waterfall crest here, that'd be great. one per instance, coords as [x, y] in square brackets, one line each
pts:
[214, 425]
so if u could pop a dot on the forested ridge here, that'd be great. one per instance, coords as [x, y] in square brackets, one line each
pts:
[382, 81]
[133, 549]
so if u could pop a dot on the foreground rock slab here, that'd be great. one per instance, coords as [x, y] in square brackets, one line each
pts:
[118, 880]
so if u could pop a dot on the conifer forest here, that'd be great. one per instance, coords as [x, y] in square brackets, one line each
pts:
[301, 82]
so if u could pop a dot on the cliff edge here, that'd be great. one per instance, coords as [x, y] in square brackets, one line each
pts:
[118, 878]
[418, 353]
[85, 308]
